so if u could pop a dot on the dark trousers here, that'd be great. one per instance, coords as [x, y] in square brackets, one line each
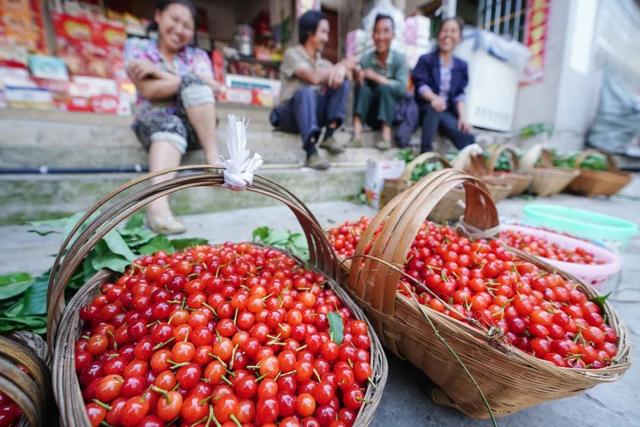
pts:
[309, 110]
[447, 123]
[375, 104]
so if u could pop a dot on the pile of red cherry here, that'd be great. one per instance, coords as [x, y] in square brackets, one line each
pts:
[482, 283]
[227, 335]
[542, 247]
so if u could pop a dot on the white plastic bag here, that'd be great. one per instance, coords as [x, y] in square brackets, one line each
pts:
[377, 172]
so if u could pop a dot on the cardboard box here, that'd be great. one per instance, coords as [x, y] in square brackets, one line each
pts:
[28, 97]
[48, 67]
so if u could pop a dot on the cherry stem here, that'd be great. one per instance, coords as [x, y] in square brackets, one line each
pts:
[162, 344]
[235, 420]
[161, 391]
[100, 403]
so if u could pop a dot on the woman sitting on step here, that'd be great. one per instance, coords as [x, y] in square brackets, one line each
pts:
[440, 80]
[176, 104]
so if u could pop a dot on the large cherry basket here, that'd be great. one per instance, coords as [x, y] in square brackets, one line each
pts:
[508, 378]
[65, 325]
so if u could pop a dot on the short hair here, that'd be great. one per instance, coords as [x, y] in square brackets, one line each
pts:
[308, 24]
[162, 5]
[455, 19]
[382, 17]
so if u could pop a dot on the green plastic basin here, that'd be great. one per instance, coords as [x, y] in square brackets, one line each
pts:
[581, 223]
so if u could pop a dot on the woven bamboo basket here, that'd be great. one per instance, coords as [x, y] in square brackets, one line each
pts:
[32, 391]
[64, 324]
[509, 379]
[547, 180]
[519, 181]
[598, 183]
[450, 207]
[499, 185]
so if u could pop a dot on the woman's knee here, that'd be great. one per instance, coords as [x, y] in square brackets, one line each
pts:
[194, 91]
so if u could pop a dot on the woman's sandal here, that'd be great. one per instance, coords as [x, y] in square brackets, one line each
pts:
[166, 225]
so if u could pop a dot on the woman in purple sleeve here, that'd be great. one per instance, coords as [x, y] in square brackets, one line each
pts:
[176, 105]
[440, 80]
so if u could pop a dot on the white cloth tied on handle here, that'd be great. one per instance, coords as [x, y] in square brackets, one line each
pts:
[241, 165]
[475, 233]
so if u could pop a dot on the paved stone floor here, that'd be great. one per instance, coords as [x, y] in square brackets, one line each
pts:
[405, 401]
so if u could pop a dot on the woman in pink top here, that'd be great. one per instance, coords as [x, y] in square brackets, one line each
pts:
[176, 104]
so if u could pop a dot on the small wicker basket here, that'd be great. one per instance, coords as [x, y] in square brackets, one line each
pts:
[519, 181]
[547, 180]
[510, 379]
[32, 391]
[598, 183]
[64, 324]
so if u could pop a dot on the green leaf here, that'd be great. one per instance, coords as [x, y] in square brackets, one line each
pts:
[102, 257]
[158, 243]
[336, 327]
[42, 233]
[117, 245]
[137, 238]
[109, 260]
[15, 309]
[35, 298]
[600, 300]
[179, 244]
[14, 284]
[136, 221]
[278, 237]
[57, 223]
[36, 324]
[261, 233]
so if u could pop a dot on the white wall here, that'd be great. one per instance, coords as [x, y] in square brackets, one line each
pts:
[538, 102]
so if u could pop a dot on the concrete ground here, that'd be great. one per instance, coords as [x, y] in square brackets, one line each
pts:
[405, 401]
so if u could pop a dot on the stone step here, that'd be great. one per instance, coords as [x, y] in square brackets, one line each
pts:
[31, 139]
[30, 197]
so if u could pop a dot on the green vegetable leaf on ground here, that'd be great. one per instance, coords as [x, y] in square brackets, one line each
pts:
[295, 243]
[14, 284]
[158, 243]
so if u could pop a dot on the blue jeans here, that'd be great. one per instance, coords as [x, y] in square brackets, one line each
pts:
[309, 110]
[447, 123]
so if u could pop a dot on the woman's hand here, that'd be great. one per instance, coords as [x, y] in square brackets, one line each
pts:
[217, 87]
[140, 70]
[464, 126]
[439, 104]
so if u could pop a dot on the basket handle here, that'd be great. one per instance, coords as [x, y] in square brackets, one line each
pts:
[495, 155]
[611, 163]
[423, 158]
[115, 211]
[400, 220]
[476, 166]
